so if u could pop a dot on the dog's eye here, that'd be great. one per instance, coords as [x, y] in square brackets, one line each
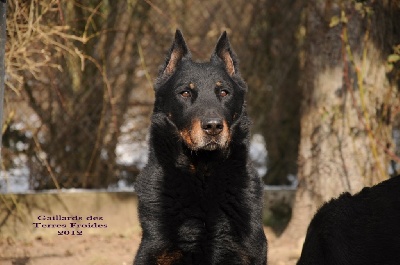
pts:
[186, 94]
[223, 93]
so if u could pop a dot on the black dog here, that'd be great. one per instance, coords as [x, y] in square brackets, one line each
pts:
[363, 229]
[200, 202]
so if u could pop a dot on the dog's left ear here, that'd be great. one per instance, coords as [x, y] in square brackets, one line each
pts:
[224, 52]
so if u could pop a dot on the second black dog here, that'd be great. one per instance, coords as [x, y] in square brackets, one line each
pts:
[363, 229]
[200, 202]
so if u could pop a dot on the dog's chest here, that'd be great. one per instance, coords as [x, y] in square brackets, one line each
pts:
[207, 200]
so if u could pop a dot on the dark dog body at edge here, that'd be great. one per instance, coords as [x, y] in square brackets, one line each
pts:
[359, 229]
[200, 201]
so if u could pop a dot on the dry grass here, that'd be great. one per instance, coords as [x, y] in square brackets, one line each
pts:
[35, 35]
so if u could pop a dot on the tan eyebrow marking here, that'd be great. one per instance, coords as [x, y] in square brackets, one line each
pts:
[191, 85]
[219, 83]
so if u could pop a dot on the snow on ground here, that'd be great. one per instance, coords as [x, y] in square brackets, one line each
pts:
[132, 154]
[16, 180]
[258, 154]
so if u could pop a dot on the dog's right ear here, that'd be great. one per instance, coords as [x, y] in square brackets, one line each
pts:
[178, 51]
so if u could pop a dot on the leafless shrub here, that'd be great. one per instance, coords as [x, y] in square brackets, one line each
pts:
[72, 64]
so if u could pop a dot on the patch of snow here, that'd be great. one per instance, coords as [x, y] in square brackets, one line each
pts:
[258, 154]
[121, 185]
[16, 179]
[293, 180]
[134, 153]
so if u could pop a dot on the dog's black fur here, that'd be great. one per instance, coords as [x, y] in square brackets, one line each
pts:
[200, 202]
[363, 229]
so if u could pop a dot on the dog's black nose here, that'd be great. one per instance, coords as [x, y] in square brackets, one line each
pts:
[212, 126]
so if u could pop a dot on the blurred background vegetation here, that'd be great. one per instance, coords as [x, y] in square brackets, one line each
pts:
[79, 78]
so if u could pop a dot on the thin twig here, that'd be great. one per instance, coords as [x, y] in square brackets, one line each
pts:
[45, 162]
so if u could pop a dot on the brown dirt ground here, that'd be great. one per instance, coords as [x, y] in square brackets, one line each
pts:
[108, 249]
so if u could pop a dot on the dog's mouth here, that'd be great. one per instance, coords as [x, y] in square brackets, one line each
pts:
[196, 138]
[211, 146]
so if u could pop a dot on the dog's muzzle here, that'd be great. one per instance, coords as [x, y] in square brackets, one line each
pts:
[207, 134]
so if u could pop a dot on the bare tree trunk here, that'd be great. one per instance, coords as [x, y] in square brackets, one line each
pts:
[281, 128]
[347, 100]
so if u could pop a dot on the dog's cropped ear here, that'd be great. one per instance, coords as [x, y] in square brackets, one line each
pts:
[178, 51]
[224, 52]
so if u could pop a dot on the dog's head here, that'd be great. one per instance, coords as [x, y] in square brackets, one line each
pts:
[203, 100]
